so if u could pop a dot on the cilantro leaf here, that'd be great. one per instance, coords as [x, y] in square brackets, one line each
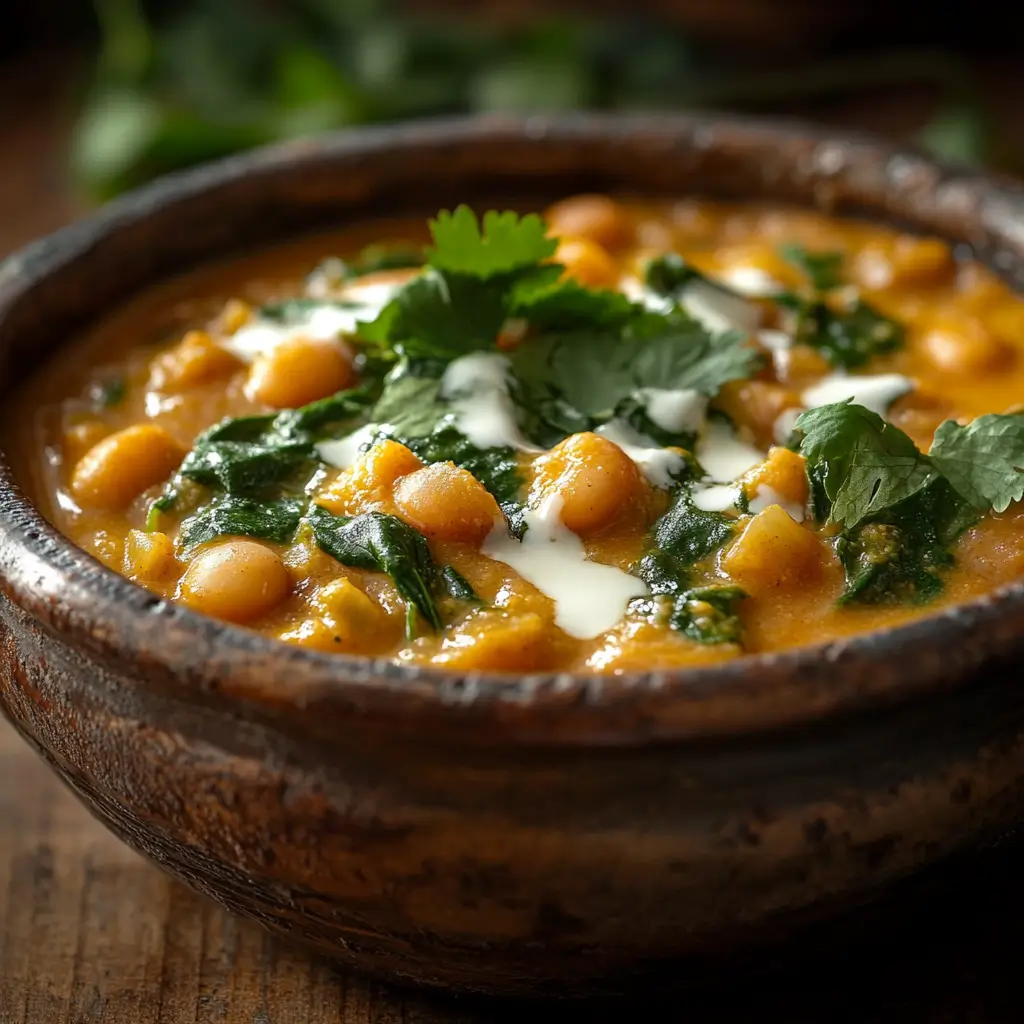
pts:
[507, 243]
[869, 465]
[823, 269]
[984, 461]
[594, 373]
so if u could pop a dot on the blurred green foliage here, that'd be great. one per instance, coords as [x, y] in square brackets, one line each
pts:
[225, 75]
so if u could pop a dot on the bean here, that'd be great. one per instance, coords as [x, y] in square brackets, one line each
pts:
[235, 580]
[299, 371]
[445, 502]
[120, 467]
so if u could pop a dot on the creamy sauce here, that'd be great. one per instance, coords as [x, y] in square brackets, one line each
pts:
[765, 496]
[876, 393]
[589, 598]
[678, 412]
[477, 388]
[659, 465]
[719, 311]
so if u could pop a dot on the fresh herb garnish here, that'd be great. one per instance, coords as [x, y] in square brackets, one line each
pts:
[382, 543]
[901, 509]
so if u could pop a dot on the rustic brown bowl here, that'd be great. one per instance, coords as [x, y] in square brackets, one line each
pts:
[549, 833]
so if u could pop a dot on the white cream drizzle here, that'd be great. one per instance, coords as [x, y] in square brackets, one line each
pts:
[765, 496]
[718, 311]
[876, 393]
[324, 323]
[344, 451]
[477, 388]
[751, 281]
[659, 465]
[715, 497]
[589, 598]
[723, 455]
[677, 411]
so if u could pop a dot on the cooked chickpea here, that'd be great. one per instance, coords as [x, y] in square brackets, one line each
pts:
[596, 480]
[370, 481]
[756, 404]
[965, 348]
[195, 359]
[300, 370]
[120, 467]
[784, 472]
[597, 219]
[447, 503]
[235, 580]
[149, 557]
[587, 262]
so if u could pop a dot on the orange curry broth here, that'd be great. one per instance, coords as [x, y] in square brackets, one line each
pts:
[963, 350]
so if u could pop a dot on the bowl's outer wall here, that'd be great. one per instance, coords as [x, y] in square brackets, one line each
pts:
[515, 836]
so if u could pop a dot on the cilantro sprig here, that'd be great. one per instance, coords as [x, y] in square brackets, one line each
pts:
[868, 466]
[900, 509]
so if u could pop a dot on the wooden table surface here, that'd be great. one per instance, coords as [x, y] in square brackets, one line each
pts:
[90, 932]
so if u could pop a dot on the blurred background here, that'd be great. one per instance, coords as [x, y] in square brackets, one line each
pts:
[100, 95]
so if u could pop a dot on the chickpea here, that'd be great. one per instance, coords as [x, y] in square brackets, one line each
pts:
[148, 557]
[298, 371]
[587, 262]
[235, 580]
[595, 218]
[784, 472]
[597, 481]
[370, 481]
[965, 348]
[120, 467]
[196, 358]
[756, 404]
[445, 502]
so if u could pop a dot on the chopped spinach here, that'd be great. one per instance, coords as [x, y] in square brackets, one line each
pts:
[231, 516]
[681, 538]
[899, 557]
[823, 269]
[454, 584]
[381, 543]
[849, 337]
[108, 393]
[709, 614]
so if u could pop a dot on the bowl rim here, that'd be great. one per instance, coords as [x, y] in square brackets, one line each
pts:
[69, 591]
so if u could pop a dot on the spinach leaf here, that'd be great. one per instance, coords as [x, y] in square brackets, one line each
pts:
[680, 539]
[248, 467]
[230, 516]
[899, 557]
[454, 584]
[823, 269]
[709, 614]
[381, 543]
[107, 394]
[496, 468]
[849, 337]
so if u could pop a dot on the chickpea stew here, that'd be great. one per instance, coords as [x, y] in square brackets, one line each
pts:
[625, 435]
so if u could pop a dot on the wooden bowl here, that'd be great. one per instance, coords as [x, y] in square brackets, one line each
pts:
[516, 834]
